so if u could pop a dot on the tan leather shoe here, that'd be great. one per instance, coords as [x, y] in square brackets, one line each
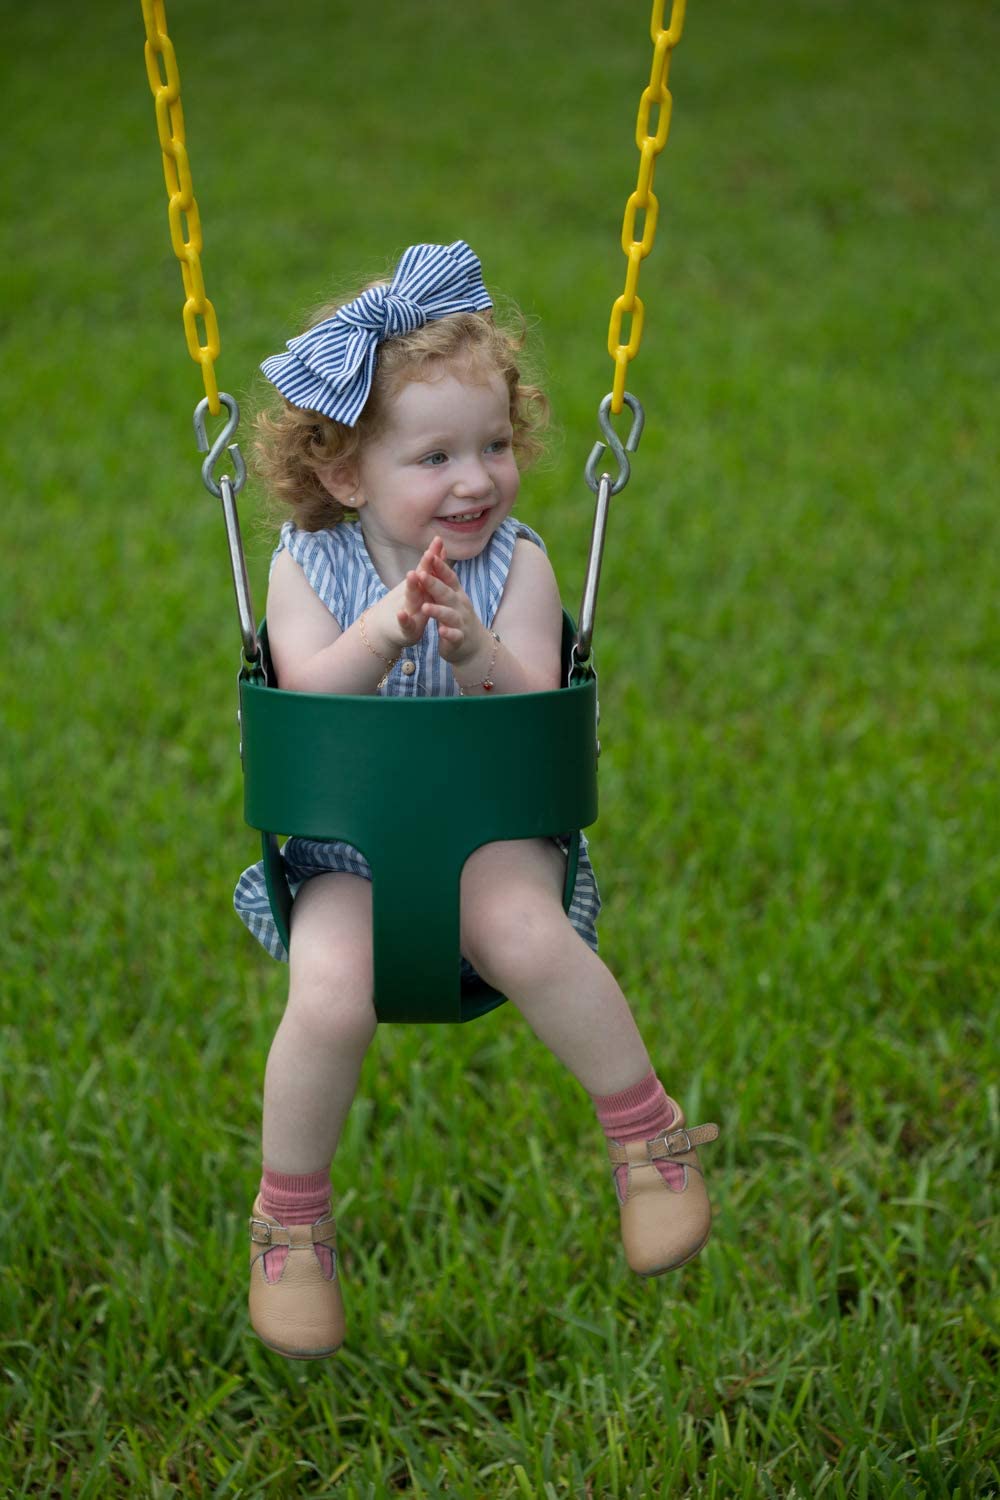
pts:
[301, 1314]
[663, 1228]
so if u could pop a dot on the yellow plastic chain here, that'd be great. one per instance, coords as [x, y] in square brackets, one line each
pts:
[183, 210]
[650, 146]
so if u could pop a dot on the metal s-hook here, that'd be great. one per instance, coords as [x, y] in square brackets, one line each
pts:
[220, 446]
[614, 442]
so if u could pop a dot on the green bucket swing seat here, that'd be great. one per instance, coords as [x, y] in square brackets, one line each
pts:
[417, 785]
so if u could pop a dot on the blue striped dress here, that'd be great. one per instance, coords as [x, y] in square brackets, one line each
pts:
[341, 573]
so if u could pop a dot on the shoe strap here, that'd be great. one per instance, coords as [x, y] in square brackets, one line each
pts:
[268, 1232]
[662, 1147]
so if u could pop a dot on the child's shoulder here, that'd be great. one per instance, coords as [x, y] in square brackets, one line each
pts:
[514, 530]
[528, 566]
[312, 549]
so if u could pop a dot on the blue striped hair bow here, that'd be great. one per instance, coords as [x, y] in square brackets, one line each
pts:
[330, 368]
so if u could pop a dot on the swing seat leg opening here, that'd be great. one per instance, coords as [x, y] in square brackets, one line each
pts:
[414, 980]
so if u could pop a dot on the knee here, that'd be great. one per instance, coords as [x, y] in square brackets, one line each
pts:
[515, 941]
[331, 994]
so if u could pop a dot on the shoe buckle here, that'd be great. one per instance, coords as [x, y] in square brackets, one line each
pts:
[260, 1232]
[672, 1141]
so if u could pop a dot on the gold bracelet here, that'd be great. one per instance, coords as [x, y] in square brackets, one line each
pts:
[487, 684]
[389, 664]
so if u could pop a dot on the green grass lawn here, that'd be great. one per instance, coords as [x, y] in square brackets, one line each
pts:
[799, 647]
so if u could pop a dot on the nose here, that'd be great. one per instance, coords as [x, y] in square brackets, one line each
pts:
[473, 482]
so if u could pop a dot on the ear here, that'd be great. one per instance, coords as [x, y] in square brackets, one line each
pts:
[341, 481]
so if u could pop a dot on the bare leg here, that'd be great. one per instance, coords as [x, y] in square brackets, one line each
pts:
[515, 932]
[517, 936]
[316, 1056]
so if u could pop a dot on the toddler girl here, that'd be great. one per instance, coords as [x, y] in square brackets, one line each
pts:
[404, 572]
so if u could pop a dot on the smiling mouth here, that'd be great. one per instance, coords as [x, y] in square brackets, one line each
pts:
[463, 518]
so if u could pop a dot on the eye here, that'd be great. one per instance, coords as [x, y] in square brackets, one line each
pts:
[434, 460]
[499, 445]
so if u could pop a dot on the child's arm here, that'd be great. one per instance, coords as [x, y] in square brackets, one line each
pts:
[310, 652]
[529, 623]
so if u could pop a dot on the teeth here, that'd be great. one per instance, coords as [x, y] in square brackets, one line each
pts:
[469, 515]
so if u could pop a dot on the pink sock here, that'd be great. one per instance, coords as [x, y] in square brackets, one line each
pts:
[295, 1199]
[638, 1114]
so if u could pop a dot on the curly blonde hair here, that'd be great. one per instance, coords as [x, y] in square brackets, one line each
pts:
[292, 445]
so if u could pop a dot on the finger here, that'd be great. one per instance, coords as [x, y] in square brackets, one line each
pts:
[444, 567]
[445, 593]
[445, 581]
[434, 586]
[446, 572]
[444, 615]
[414, 591]
[410, 624]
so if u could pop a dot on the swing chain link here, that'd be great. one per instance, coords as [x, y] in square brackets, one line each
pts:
[185, 221]
[656, 93]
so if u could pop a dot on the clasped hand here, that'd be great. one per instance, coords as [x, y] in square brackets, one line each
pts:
[431, 591]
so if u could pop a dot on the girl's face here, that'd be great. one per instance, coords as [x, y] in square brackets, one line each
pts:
[442, 466]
